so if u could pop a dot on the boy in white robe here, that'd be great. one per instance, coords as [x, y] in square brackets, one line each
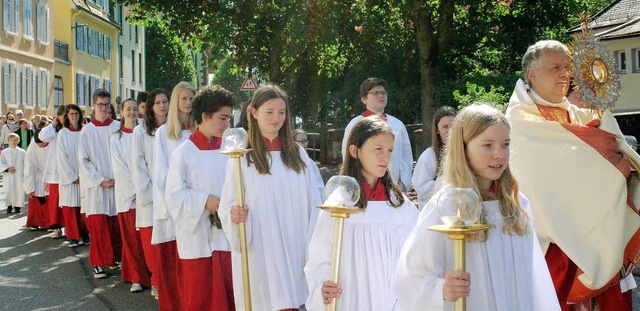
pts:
[194, 184]
[34, 166]
[12, 166]
[97, 181]
[51, 177]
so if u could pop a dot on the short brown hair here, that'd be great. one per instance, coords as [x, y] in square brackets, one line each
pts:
[370, 83]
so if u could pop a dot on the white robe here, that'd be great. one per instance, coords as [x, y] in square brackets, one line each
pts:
[193, 175]
[141, 167]
[401, 158]
[317, 176]
[164, 229]
[12, 182]
[508, 271]
[424, 178]
[68, 167]
[121, 160]
[95, 167]
[34, 166]
[49, 135]
[371, 246]
[282, 215]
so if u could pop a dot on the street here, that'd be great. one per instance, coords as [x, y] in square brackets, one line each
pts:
[40, 273]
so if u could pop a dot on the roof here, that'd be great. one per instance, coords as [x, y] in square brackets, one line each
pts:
[616, 13]
[98, 12]
[630, 29]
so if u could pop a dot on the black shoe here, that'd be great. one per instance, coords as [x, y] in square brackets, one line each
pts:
[17, 210]
[9, 209]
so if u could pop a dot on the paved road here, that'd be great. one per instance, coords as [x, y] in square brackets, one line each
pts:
[39, 273]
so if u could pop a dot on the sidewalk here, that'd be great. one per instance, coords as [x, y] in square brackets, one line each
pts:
[40, 273]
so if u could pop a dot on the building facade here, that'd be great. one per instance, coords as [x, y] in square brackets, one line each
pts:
[26, 56]
[131, 57]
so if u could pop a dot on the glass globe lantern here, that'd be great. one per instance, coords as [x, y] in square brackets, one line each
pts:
[461, 207]
[235, 138]
[342, 191]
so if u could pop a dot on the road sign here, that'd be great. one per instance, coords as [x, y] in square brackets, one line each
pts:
[249, 85]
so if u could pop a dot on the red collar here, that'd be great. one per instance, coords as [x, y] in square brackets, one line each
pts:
[377, 194]
[273, 145]
[72, 129]
[185, 127]
[140, 115]
[368, 112]
[106, 122]
[204, 143]
[126, 130]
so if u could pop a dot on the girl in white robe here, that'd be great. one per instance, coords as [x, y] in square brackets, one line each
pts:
[506, 269]
[12, 166]
[69, 174]
[372, 239]
[141, 169]
[51, 177]
[194, 184]
[167, 138]
[281, 197]
[133, 269]
[34, 166]
[427, 174]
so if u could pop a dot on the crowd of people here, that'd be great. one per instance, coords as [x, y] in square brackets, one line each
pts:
[152, 194]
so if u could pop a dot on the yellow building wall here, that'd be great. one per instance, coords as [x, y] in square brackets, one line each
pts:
[19, 49]
[62, 32]
[629, 99]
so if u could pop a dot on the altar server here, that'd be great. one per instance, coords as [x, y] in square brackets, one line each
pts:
[12, 166]
[34, 166]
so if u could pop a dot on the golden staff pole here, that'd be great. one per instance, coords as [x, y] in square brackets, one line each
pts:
[459, 234]
[244, 255]
[339, 213]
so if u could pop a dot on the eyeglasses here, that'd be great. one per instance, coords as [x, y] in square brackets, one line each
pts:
[102, 105]
[304, 141]
[378, 93]
[11, 119]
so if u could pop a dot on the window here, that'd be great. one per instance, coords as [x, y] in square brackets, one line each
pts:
[17, 78]
[81, 37]
[43, 88]
[621, 61]
[94, 84]
[28, 20]
[100, 44]
[635, 59]
[28, 85]
[10, 15]
[58, 92]
[120, 61]
[44, 22]
[135, 33]
[107, 48]
[133, 67]
[61, 51]
[81, 89]
[140, 69]
[107, 85]
[90, 40]
[8, 83]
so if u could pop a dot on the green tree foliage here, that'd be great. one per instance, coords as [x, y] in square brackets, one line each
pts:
[168, 61]
[231, 77]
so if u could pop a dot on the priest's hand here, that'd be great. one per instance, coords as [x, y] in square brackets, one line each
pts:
[108, 183]
[212, 204]
[330, 291]
[77, 181]
[456, 285]
[239, 214]
[11, 170]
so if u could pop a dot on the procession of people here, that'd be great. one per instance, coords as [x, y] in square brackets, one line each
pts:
[153, 196]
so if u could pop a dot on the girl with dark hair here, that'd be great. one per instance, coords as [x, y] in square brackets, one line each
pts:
[426, 175]
[69, 172]
[155, 115]
[133, 269]
[280, 211]
[51, 178]
[376, 234]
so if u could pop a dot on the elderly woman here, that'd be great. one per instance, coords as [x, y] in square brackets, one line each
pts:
[571, 167]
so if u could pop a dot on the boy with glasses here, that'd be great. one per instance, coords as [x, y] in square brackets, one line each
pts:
[373, 95]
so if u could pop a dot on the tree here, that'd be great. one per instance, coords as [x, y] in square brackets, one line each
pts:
[171, 61]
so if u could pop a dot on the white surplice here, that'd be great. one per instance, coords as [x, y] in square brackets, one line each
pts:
[95, 167]
[371, 246]
[141, 167]
[282, 214]
[424, 179]
[68, 167]
[164, 229]
[193, 175]
[13, 182]
[34, 167]
[120, 159]
[402, 156]
[317, 176]
[508, 271]
[49, 135]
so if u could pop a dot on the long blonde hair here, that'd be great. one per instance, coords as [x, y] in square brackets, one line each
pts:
[259, 155]
[468, 124]
[174, 127]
